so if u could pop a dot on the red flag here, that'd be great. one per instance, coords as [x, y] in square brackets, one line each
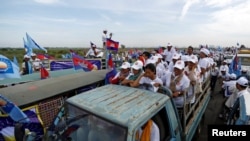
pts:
[112, 45]
[44, 73]
[81, 63]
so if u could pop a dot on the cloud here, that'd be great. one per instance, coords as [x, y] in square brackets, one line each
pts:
[47, 1]
[186, 7]
[218, 3]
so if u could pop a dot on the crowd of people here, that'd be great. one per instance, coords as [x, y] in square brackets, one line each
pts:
[184, 74]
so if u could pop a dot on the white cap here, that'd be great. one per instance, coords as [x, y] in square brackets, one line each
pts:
[158, 55]
[244, 70]
[233, 76]
[242, 81]
[193, 59]
[26, 56]
[137, 65]
[205, 51]
[179, 64]
[185, 58]
[176, 56]
[33, 54]
[224, 61]
[169, 45]
[125, 65]
[152, 59]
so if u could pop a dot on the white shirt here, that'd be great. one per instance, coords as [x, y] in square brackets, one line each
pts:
[204, 63]
[215, 71]
[226, 85]
[181, 86]
[104, 37]
[91, 52]
[36, 63]
[169, 54]
[146, 80]
[191, 89]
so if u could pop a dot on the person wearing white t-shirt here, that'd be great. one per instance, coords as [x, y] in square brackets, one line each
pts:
[148, 80]
[168, 53]
[36, 63]
[175, 58]
[193, 74]
[93, 52]
[104, 37]
[178, 83]
[204, 63]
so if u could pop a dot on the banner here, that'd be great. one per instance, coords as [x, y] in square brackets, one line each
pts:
[68, 64]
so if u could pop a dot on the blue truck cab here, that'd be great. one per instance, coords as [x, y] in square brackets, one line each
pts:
[116, 113]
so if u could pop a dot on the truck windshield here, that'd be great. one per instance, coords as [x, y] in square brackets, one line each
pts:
[88, 127]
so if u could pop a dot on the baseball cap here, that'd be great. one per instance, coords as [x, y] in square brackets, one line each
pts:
[33, 54]
[233, 76]
[176, 56]
[242, 81]
[169, 45]
[152, 59]
[125, 65]
[205, 51]
[26, 56]
[137, 65]
[244, 70]
[179, 64]
[159, 55]
[193, 59]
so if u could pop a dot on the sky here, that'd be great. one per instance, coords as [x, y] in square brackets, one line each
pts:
[134, 23]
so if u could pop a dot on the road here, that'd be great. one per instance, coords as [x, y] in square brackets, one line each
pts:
[212, 113]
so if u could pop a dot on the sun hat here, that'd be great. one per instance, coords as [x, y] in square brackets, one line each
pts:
[169, 45]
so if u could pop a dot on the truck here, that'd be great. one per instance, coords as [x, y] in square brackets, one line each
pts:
[116, 113]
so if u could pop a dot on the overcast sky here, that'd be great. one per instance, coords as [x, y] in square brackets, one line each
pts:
[134, 23]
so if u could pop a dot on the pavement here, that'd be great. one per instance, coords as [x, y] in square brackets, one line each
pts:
[212, 113]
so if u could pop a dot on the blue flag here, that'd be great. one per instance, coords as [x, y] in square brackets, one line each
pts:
[28, 49]
[235, 66]
[14, 111]
[15, 61]
[33, 44]
[8, 69]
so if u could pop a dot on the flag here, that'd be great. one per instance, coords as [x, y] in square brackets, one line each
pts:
[8, 69]
[112, 45]
[111, 74]
[33, 44]
[28, 49]
[44, 72]
[15, 61]
[235, 66]
[81, 63]
[110, 61]
[13, 111]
